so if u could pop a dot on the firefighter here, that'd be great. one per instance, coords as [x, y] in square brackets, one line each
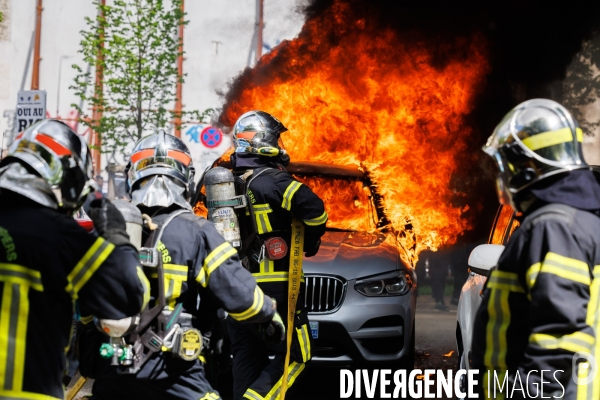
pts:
[202, 273]
[48, 261]
[276, 197]
[540, 304]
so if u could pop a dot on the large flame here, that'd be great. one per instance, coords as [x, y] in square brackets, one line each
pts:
[351, 92]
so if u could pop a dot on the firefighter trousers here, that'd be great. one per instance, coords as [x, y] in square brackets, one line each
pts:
[255, 375]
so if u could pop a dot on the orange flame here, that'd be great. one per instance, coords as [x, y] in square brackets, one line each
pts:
[378, 100]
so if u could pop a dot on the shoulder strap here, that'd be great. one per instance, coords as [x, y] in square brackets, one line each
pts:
[162, 226]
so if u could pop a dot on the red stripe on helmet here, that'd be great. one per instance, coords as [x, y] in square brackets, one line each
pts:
[53, 145]
[135, 157]
[179, 156]
[245, 135]
[20, 135]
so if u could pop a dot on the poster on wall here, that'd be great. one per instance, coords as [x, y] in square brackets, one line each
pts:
[206, 143]
[31, 108]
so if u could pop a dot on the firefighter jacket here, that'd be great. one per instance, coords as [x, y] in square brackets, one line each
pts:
[276, 198]
[541, 306]
[47, 262]
[199, 264]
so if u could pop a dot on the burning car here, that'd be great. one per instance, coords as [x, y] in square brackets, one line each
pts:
[360, 295]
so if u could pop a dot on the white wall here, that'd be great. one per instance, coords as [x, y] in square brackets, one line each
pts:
[229, 22]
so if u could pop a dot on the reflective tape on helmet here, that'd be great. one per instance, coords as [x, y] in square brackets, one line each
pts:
[551, 138]
[245, 135]
[135, 157]
[53, 145]
[179, 156]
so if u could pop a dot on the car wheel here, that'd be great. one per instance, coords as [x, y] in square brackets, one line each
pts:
[462, 384]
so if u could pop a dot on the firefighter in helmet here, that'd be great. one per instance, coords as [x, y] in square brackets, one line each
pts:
[49, 261]
[202, 273]
[276, 198]
[540, 307]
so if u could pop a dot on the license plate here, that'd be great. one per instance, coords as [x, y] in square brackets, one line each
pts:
[314, 329]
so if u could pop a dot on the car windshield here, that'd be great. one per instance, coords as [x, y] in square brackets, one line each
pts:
[348, 203]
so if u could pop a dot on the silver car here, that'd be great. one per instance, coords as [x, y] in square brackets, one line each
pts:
[360, 295]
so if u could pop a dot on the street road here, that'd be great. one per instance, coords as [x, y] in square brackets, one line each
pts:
[435, 338]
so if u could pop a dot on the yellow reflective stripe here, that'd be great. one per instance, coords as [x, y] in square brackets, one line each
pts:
[575, 342]
[252, 395]
[272, 277]
[257, 304]
[13, 273]
[145, 283]
[503, 280]
[177, 284]
[86, 320]
[218, 256]
[498, 322]
[14, 314]
[201, 278]
[294, 371]
[21, 338]
[552, 138]
[262, 208]
[592, 390]
[267, 265]
[86, 267]
[5, 314]
[567, 268]
[317, 221]
[304, 342]
[531, 275]
[176, 269]
[14, 394]
[263, 224]
[289, 194]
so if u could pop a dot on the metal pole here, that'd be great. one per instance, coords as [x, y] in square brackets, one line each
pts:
[35, 77]
[28, 60]
[179, 88]
[259, 33]
[97, 111]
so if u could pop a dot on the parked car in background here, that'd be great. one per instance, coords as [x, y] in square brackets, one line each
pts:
[360, 295]
[481, 260]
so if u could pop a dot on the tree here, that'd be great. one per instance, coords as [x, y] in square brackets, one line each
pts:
[581, 87]
[135, 44]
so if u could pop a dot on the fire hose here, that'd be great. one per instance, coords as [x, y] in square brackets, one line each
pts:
[294, 277]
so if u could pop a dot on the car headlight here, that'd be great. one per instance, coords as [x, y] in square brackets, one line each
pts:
[385, 285]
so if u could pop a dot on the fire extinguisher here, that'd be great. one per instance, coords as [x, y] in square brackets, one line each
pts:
[221, 201]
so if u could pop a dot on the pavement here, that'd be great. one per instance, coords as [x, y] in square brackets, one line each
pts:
[435, 348]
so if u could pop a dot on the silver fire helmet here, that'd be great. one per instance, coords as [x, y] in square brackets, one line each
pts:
[259, 133]
[59, 156]
[160, 171]
[537, 139]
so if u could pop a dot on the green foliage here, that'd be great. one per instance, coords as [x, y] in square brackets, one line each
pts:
[581, 87]
[135, 43]
[1, 16]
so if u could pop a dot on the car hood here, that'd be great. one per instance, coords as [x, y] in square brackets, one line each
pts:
[353, 255]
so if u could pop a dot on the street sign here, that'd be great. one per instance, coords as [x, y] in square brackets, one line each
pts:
[211, 137]
[31, 108]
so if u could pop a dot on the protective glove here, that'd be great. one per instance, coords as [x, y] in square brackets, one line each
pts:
[310, 251]
[275, 331]
[109, 222]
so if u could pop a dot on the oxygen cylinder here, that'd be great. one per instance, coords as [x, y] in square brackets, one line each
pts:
[221, 201]
[133, 221]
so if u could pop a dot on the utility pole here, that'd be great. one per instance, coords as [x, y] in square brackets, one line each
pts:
[259, 29]
[35, 76]
[179, 87]
[95, 139]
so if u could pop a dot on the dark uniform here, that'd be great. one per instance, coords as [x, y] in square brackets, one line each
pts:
[47, 262]
[540, 315]
[541, 304]
[198, 264]
[276, 198]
